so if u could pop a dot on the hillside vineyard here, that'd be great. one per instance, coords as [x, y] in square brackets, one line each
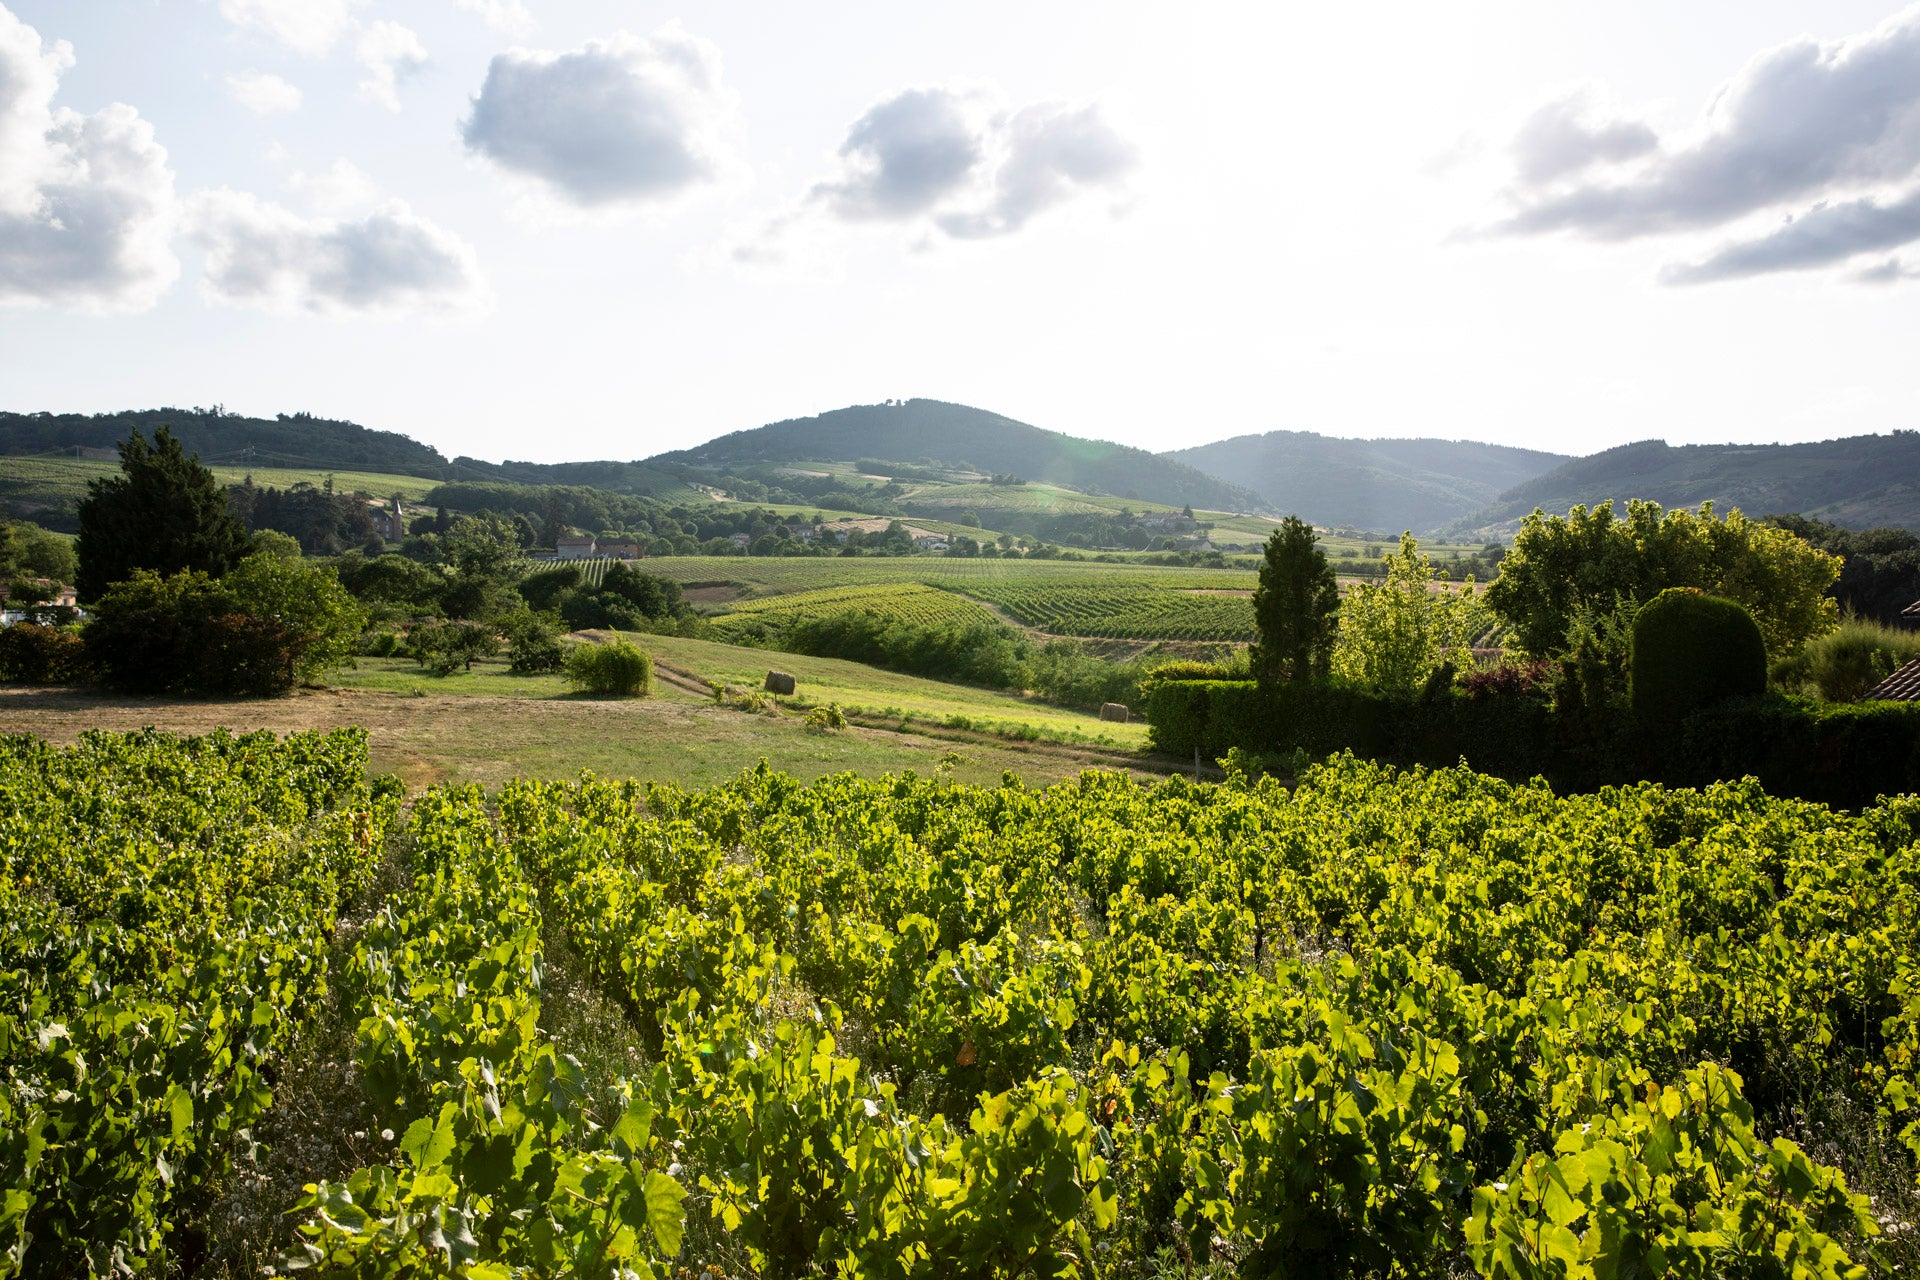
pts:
[1386, 1023]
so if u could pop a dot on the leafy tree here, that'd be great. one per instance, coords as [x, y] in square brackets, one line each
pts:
[1880, 573]
[36, 552]
[317, 617]
[1294, 607]
[271, 542]
[163, 512]
[533, 642]
[392, 580]
[1397, 632]
[445, 647]
[481, 555]
[1560, 567]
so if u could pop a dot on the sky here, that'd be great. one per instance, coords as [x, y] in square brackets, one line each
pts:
[567, 229]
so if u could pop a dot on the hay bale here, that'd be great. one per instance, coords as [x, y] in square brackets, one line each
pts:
[1115, 711]
[778, 682]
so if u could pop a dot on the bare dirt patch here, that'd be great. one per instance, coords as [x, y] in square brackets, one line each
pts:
[725, 594]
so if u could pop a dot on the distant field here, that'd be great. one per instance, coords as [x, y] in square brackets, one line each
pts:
[1037, 499]
[1068, 598]
[910, 602]
[56, 485]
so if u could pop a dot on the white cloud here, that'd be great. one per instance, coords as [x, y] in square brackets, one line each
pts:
[86, 201]
[390, 53]
[262, 93]
[907, 154]
[615, 124]
[305, 26]
[342, 188]
[954, 162]
[390, 261]
[1824, 138]
[510, 16]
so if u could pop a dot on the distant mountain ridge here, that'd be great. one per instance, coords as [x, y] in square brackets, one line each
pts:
[1858, 481]
[955, 434]
[1427, 485]
[1382, 485]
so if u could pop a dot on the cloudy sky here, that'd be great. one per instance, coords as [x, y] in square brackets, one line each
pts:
[552, 229]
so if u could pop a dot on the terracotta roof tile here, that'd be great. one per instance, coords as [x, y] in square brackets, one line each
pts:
[1902, 686]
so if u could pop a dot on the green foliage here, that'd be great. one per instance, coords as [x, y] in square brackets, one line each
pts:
[616, 668]
[1381, 1023]
[1294, 607]
[1691, 651]
[392, 580]
[1856, 655]
[623, 599]
[481, 556]
[164, 512]
[445, 647]
[35, 654]
[1879, 571]
[269, 624]
[827, 719]
[533, 642]
[271, 542]
[307, 604]
[166, 910]
[1395, 633]
[1588, 560]
[34, 552]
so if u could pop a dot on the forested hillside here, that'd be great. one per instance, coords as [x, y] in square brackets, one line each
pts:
[912, 430]
[286, 440]
[1861, 482]
[1418, 484]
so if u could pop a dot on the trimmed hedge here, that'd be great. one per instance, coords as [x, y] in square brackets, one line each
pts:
[1690, 652]
[1844, 755]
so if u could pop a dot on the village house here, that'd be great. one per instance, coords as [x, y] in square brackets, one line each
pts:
[389, 521]
[54, 595]
[622, 550]
[739, 539]
[575, 547]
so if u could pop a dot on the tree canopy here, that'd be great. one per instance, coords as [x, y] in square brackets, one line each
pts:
[1563, 568]
[164, 512]
[1294, 606]
[1396, 632]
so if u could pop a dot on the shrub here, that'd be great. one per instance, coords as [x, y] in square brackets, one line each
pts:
[616, 668]
[826, 719]
[33, 654]
[1848, 661]
[1514, 678]
[1691, 651]
[533, 643]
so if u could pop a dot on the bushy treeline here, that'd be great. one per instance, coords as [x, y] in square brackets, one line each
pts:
[323, 522]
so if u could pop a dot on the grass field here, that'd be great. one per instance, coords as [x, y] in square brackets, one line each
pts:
[30, 484]
[478, 736]
[886, 695]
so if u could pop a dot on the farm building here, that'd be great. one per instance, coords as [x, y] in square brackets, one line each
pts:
[575, 548]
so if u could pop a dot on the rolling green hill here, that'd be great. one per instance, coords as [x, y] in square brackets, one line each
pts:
[954, 434]
[1859, 481]
[1383, 485]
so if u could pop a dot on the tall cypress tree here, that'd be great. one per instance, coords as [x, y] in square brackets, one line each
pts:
[1294, 606]
[164, 512]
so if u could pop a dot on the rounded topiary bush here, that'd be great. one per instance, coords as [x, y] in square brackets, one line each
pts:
[614, 668]
[1691, 651]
